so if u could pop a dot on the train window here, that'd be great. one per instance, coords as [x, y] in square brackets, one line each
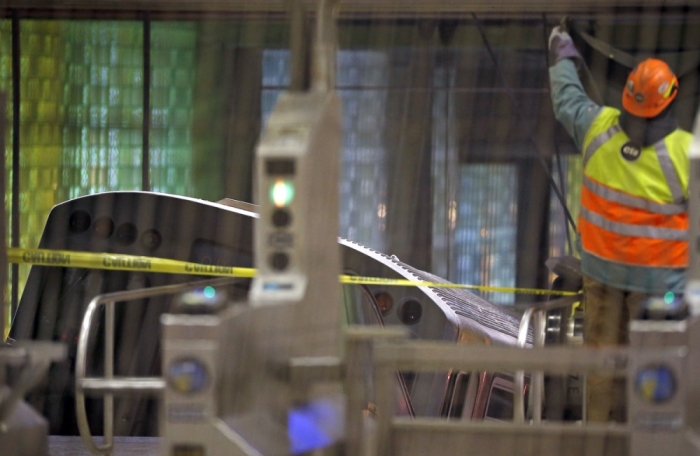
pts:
[459, 395]
[500, 405]
[408, 379]
[471, 397]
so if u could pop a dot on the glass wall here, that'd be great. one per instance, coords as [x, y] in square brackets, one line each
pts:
[412, 183]
[362, 78]
[485, 232]
[173, 83]
[102, 102]
[448, 126]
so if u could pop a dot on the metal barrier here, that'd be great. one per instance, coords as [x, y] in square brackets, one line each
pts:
[538, 314]
[110, 385]
[400, 436]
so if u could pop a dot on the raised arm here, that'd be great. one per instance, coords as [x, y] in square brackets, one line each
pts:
[572, 106]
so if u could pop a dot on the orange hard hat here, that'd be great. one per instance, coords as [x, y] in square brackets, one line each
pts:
[650, 88]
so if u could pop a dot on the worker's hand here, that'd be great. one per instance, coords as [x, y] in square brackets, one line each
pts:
[561, 46]
[558, 34]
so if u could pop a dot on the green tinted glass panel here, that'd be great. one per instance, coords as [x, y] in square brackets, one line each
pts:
[103, 104]
[41, 120]
[173, 72]
[6, 89]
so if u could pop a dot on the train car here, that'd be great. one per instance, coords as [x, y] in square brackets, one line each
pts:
[180, 228]
[432, 313]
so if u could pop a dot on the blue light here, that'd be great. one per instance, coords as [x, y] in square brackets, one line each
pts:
[209, 292]
[669, 297]
[313, 426]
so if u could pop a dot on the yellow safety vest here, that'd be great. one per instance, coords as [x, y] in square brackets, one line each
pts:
[634, 201]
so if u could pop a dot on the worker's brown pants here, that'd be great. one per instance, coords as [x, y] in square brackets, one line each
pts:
[608, 311]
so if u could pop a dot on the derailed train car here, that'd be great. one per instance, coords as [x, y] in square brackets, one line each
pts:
[435, 314]
[166, 226]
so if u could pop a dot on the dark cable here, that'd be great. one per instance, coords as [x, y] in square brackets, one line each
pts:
[597, 97]
[519, 113]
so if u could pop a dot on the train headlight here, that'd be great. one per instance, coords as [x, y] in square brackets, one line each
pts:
[410, 312]
[103, 227]
[384, 301]
[151, 239]
[655, 383]
[187, 376]
[79, 221]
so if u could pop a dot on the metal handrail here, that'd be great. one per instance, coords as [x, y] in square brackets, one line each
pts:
[109, 384]
[537, 311]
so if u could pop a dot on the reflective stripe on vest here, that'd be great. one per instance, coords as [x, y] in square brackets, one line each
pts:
[620, 213]
[598, 141]
[669, 171]
[629, 229]
[637, 251]
[632, 201]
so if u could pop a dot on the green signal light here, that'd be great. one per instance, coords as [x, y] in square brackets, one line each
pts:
[209, 292]
[282, 193]
[669, 297]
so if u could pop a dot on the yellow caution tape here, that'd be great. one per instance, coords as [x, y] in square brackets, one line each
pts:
[118, 262]
[414, 283]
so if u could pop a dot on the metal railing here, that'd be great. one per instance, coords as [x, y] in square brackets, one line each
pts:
[536, 313]
[423, 356]
[109, 385]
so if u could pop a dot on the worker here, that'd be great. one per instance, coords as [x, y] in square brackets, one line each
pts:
[633, 220]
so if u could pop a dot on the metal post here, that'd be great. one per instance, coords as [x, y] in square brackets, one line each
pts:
[109, 374]
[519, 383]
[383, 390]
[538, 314]
[324, 47]
[538, 377]
[354, 393]
[360, 343]
[298, 47]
